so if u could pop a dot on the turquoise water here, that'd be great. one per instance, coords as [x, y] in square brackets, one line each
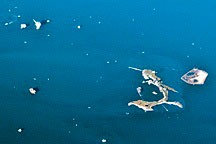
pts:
[83, 74]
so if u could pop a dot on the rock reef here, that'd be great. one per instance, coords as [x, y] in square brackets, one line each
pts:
[151, 79]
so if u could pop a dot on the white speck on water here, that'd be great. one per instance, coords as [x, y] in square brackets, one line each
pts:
[143, 52]
[19, 130]
[99, 22]
[154, 9]
[155, 93]
[74, 20]
[78, 26]
[15, 7]
[192, 44]
[48, 35]
[73, 119]
[19, 16]
[76, 125]
[23, 26]
[69, 132]
[9, 10]
[116, 61]
[10, 22]
[133, 19]
[89, 107]
[48, 79]
[6, 24]
[127, 113]
[188, 56]
[25, 42]
[107, 62]
[34, 79]
[90, 17]
[103, 140]
[87, 54]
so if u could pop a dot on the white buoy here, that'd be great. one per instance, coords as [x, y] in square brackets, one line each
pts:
[37, 24]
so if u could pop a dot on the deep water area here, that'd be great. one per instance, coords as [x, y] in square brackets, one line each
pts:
[80, 61]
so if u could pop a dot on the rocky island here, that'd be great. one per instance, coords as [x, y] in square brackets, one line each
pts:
[151, 79]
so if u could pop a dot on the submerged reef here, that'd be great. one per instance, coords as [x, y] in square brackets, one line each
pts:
[195, 77]
[151, 78]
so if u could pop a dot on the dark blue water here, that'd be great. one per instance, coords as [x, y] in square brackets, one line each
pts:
[83, 74]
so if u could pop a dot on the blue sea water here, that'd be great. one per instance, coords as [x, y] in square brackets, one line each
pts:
[83, 74]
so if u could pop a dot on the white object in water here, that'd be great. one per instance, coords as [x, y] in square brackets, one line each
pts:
[32, 91]
[78, 26]
[195, 76]
[23, 26]
[134, 68]
[20, 130]
[155, 93]
[139, 90]
[37, 24]
[103, 140]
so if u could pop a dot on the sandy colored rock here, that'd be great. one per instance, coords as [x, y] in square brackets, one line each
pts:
[151, 79]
